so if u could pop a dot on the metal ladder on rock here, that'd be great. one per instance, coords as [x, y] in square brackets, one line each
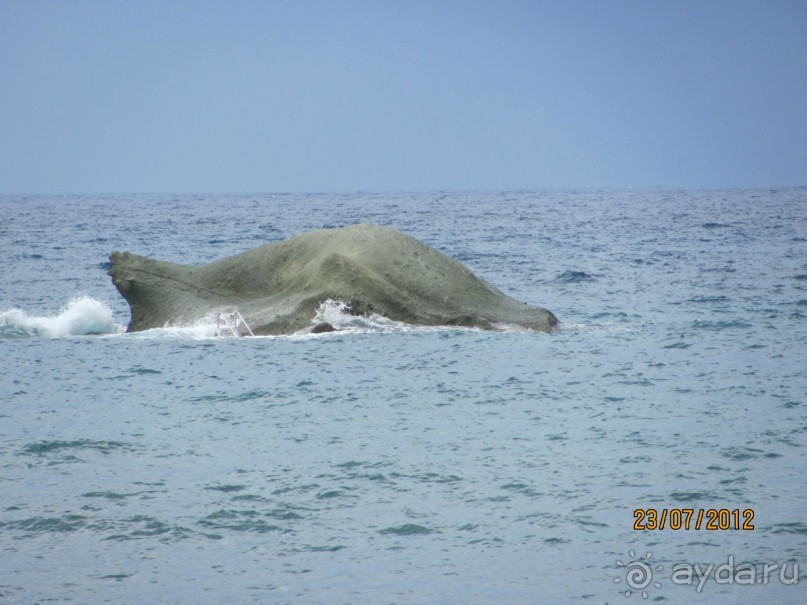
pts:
[231, 320]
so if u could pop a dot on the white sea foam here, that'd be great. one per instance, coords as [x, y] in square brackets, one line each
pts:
[198, 331]
[81, 316]
[204, 328]
[337, 313]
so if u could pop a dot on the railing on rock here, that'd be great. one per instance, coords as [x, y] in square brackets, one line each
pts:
[231, 321]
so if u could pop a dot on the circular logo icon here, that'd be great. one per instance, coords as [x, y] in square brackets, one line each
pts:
[638, 574]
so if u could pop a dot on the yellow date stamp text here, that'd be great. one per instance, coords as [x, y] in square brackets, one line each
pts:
[710, 519]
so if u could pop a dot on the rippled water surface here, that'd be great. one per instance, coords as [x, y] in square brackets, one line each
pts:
[390, 464]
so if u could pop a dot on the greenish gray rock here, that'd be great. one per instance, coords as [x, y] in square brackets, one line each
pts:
[278, 287]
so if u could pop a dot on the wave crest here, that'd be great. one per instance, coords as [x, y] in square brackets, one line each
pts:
[81, 316]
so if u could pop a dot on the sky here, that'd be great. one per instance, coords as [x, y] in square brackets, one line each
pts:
[200, 96]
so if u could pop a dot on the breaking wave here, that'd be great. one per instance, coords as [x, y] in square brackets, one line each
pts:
[83, 315]
[337, 314]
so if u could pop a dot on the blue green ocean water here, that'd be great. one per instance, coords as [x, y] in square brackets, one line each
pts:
[386, 463]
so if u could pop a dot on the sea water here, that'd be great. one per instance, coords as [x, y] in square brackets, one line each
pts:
[386, 463]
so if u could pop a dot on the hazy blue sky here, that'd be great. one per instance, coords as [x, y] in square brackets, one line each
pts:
[136, 96]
